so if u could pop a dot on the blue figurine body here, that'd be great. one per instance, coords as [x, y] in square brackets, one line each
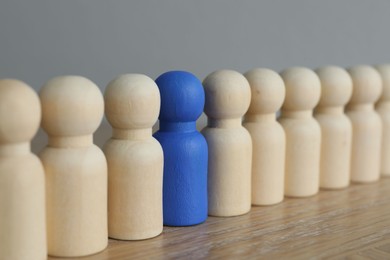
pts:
[185, 149]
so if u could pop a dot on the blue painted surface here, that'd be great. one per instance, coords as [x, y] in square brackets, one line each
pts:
[185, 149]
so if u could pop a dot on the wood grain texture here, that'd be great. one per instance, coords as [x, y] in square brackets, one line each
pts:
[353, 223]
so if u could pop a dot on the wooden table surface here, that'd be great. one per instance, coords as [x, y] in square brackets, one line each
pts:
[353, 223]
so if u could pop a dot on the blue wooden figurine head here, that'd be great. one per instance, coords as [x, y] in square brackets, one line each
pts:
[182, 96]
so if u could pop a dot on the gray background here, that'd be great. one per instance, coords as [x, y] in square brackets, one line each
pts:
[101, 39]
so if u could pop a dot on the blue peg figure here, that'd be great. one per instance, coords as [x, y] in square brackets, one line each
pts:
[185, 149]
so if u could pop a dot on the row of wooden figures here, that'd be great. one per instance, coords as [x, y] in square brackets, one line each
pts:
[74, 196]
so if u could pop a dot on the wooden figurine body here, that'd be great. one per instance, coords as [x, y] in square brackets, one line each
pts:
[185, 149]
[134, 158]
[76, 169]
[383, 109]
[336, 128]
[366, 124]
[303, 133]
[269, 142]
[230, 146]
[22, 184]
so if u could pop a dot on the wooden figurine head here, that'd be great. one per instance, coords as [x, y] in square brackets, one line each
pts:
[384, 71]
[303, 89]
[336, 86]
[132, 101]
[228, 94]
[20, 112]
[367, 85]
[267, 89]
[182, 96]
[71, 106]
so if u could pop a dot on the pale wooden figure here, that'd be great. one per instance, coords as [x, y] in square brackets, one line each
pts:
[336, 128]
[366, 124]
[383, 109]
[228, 97]
[76, 169]
[22, 183]
[303, 133]
[134, 157]
[269, 141]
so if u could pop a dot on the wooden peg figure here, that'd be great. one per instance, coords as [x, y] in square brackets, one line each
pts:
[303, 133]
[383, 109]
[76, 169]
[336, 128]
[185, 149]
[230, 146]
[269, 142]
[366, 124]
[22, 184]
[134, 157]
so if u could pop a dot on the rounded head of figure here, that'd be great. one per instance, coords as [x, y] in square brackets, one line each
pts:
[267, 91]
[228, 94]
[20, 112]
[384, 71]
[71, 106]
[182, 96]
[303, 89]
[336, 86]
[367, 85]
[132, 101]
